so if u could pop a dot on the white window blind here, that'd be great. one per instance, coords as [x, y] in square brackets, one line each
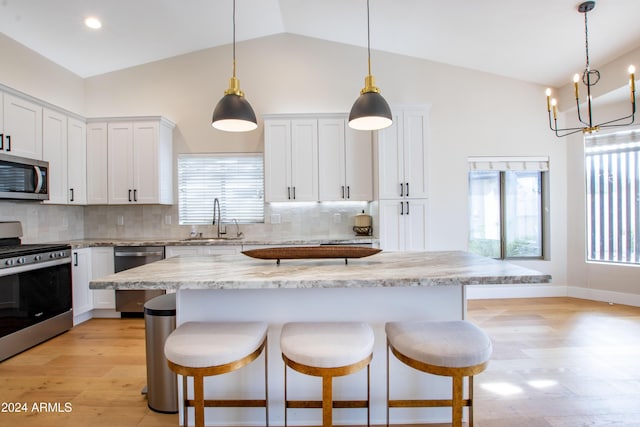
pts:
[236, 180]
[612, 166]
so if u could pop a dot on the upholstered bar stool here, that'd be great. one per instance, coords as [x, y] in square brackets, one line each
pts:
[456, 349]
[202, 349]
[327, 350]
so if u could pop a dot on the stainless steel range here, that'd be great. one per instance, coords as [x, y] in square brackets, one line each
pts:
[35, 291]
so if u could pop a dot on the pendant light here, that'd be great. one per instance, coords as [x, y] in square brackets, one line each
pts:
[370, 111]
[233, 113]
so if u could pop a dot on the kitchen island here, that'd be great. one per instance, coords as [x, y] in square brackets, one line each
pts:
[383, 287]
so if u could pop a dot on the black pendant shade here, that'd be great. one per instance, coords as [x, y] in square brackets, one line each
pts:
[233, 113]
[370, 112]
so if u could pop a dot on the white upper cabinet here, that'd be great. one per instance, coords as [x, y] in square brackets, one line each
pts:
[97, 154]
[316, 158]
[403, 157]
[345, 162]
[64, 147]
[21, 127]
[291, 160]
[140, 162]
[76, 162]
[54, 150]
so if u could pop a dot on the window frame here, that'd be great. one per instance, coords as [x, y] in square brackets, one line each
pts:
[503, 165]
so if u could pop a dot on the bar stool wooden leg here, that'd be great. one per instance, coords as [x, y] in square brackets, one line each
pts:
[198, 399]
[327, 401]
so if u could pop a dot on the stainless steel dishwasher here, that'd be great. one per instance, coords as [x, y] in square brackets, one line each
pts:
[131, 303]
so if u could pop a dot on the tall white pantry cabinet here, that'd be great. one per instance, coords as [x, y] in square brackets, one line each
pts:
[403, 187]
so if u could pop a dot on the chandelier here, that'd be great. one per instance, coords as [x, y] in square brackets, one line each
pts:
[589, 78]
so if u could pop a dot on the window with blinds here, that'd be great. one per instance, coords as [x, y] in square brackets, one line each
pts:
[507, 201]
[236, 180]
[612, 166]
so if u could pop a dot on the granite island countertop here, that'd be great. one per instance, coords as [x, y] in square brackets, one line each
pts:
[385, 269]
[101, 242]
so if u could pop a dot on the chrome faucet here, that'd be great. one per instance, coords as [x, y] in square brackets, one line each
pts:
[216, 204]
[238, 232]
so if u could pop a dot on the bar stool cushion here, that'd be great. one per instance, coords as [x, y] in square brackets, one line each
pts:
[450, 344]
[206, 344]
[326, 344]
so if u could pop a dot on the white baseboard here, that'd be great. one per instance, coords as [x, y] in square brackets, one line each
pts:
[545, 290]
[604, 296]
[515, 291]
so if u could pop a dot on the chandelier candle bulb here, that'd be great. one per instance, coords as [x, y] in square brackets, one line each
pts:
[548, 92]
[555, 109]
[632, 81]
[576, 79]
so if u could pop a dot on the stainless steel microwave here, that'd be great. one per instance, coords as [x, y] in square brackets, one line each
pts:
[23, 179]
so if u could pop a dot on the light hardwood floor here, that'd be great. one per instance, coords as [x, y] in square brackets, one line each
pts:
[557, 362]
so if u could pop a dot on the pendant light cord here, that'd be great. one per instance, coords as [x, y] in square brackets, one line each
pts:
[368, 40]
[234, 37]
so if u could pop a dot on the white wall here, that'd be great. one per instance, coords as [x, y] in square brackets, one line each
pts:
[26, 71]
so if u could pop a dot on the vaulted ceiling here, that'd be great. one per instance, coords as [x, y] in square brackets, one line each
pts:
[540, 41]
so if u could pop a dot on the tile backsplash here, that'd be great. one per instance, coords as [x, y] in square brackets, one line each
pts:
[282, 221]
[53, 223]
[42, 223]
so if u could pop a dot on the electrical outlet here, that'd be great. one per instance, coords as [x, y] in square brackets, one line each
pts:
[275, 218]
[337, 218]
[120, 220]
[167, 219]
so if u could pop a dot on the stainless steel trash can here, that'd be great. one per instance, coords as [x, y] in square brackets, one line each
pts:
[162, 383]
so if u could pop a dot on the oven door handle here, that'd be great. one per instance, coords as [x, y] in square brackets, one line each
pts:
[8, 271]
[139, 254]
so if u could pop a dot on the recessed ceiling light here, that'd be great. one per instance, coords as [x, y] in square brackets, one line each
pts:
[93, 23]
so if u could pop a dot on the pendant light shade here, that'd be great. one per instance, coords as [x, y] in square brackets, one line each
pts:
[370, 111]
[233, 113]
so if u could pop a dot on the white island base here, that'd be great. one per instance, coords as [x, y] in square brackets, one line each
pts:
[388, 286]
[277, 306]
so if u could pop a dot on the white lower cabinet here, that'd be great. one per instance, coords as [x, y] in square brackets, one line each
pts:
[80, 276]
[172, 251]
[102, 265]
[404, 225]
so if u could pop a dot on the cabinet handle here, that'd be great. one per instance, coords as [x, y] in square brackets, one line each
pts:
[401, 190]
[71, 199]
[407, 184]
[343, 191]
[1, 141]
[8, 142]
[135, 195]
[75, 259]
[129, 194]
[407, 207]
[289, 193]
[294, 192]
[401, 208]
[348, 192]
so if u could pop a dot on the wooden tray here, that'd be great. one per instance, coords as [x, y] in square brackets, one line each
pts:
[310, 252]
